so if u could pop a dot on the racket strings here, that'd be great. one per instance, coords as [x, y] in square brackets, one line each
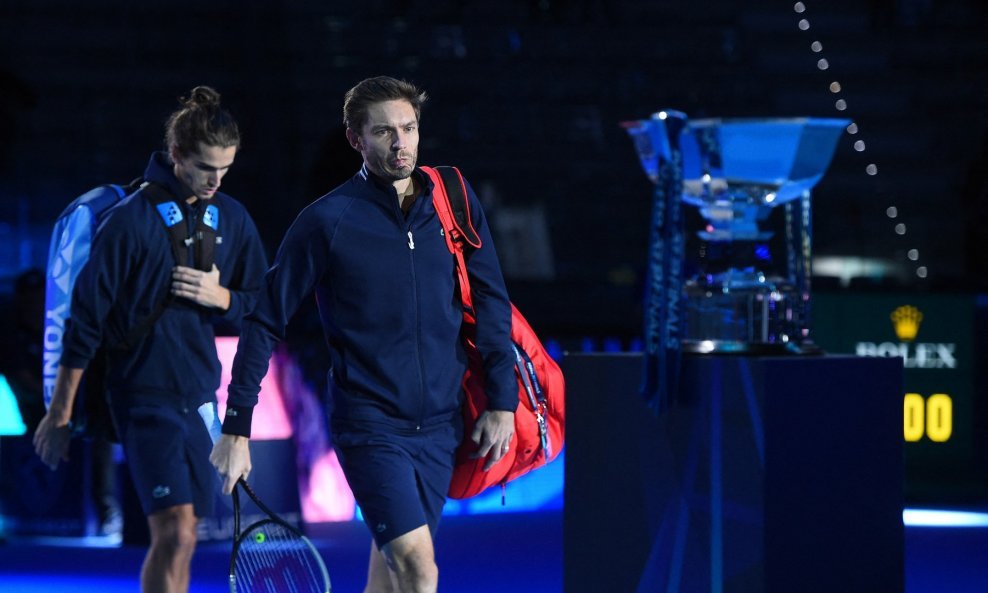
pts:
[272, 559]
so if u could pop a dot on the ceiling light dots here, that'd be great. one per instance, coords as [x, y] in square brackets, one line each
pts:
[840, 104]
[822, 64]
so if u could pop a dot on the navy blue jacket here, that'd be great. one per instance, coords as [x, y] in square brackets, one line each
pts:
[385, 286]
[128, 275]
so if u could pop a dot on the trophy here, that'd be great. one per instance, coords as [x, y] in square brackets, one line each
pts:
[746, 241]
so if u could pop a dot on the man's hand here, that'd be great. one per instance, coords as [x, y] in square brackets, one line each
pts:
[51, 441]
[492, 434]
[51, 437]
[231, 458]
[201, 287]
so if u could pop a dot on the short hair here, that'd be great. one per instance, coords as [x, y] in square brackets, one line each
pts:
[200, 120]
[377, 90]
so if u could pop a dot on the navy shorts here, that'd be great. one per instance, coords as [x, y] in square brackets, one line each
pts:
[399, 481]
[167, 447]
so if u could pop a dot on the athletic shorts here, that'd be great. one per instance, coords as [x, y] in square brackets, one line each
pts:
[167, 446]
[399, 481]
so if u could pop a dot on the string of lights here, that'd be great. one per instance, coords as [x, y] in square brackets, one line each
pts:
[871, 169]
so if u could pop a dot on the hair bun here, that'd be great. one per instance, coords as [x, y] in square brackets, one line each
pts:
[200, 120]
[202, 96]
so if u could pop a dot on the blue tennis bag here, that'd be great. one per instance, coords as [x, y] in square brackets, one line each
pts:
[68, 253]
[71, 243]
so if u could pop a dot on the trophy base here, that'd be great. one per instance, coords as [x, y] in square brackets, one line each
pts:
[743, 312]
[728, 347]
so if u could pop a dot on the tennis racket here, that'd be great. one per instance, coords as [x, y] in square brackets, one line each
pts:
[271, 556]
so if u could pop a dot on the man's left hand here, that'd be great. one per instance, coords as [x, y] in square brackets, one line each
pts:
[231, 458]
[201, 287]
[492, 434]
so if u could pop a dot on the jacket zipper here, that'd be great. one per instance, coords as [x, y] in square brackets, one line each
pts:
[418, 318]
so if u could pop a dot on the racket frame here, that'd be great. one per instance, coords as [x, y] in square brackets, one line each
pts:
[272, 518]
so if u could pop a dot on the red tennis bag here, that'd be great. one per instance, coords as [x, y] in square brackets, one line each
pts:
[541, 415]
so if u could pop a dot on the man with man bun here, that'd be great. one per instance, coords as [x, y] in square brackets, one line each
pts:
[150, 300]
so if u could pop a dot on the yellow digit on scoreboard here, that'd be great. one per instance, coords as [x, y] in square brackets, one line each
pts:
[932, 417]
[913, 417]
[939, 417]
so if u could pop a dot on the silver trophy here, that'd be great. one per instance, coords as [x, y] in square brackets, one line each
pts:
[746, 285]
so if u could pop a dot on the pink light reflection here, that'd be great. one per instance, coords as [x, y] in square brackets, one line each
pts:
[325, 495]
[270, 420]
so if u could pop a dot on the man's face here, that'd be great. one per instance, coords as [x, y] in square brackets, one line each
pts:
[203, 170]
[389, 140]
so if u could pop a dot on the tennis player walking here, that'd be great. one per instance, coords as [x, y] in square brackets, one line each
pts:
[374, 254]
[162, 390]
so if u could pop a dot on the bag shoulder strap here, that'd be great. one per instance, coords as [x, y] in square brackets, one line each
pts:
[449, 197]
[171, 215]
[207, 237]
[204, 237]
[204, 240]
[456, 195]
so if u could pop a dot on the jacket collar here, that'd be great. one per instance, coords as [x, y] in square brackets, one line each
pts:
[161, 170]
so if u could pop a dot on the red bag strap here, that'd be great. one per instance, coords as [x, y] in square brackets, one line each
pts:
[451, 182]
[457, 234]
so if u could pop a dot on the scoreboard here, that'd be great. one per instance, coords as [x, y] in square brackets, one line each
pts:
[936, 338]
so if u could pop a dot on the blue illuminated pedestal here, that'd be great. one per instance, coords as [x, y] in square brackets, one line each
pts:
[769, 474]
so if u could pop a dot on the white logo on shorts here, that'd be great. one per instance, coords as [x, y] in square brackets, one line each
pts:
[381, 527]
[161, 491]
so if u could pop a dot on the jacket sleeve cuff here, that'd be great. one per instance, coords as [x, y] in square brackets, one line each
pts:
[73, 360]
[237, 420]
[232, 312]
[507, 403]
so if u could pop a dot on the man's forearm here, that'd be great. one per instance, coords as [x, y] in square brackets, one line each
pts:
[66, 386]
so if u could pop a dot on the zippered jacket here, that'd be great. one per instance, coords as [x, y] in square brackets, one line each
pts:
[129, 273]
[385, 286]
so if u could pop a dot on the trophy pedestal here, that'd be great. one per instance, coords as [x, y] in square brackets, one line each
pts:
[741, 313]
[769, 474]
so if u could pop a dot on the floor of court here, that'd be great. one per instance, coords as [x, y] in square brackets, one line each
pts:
[520, 553]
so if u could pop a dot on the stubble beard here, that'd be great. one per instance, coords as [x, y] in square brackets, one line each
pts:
[397, 174]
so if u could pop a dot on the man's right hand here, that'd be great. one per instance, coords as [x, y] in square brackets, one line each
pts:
[231, 458]
[51, 441]
[52, 436]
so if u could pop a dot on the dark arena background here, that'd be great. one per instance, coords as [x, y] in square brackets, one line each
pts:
[528, 99]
